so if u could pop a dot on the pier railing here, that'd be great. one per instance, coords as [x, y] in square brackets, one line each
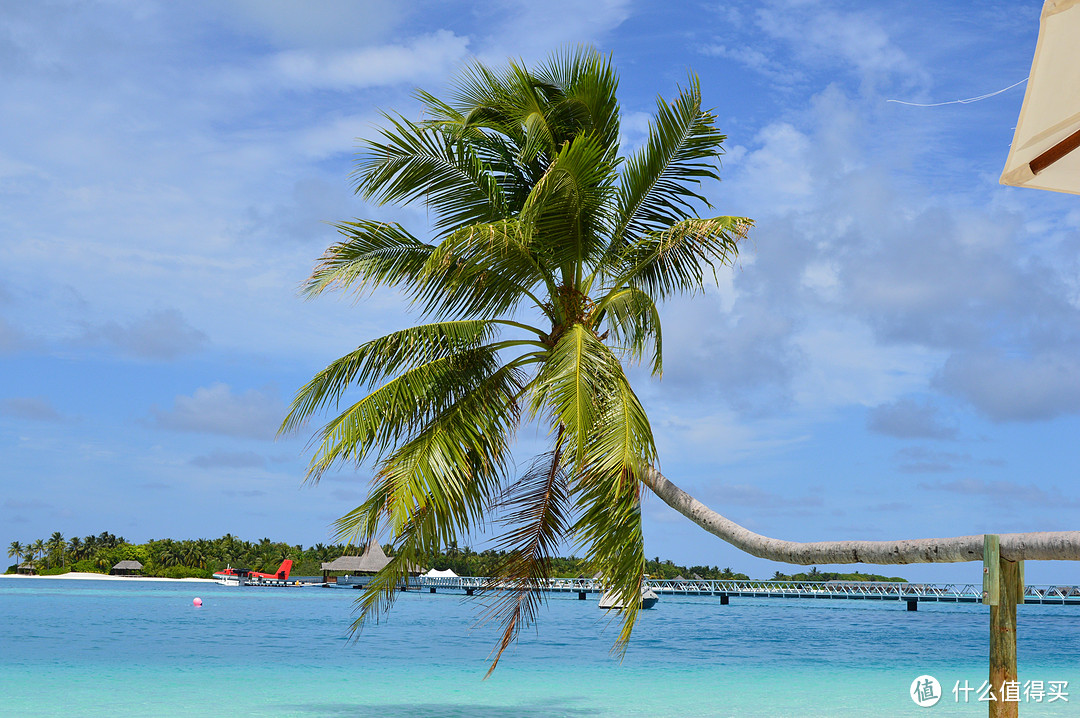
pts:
[873, 590]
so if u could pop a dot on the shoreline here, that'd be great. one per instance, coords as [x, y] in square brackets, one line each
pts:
[79, 576]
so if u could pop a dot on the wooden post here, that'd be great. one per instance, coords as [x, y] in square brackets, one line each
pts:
[991, 567]
[1002, 589]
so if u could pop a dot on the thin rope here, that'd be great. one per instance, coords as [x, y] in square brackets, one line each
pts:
[968, 101]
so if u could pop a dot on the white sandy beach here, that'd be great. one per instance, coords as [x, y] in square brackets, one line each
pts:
[76, 576]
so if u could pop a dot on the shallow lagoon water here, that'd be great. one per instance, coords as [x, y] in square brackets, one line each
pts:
[90, 648]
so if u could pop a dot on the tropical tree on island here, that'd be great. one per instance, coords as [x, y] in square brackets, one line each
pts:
[548, 257]
[75, 548]
[37, 548]
[541, 274]
[56, 546]
[16, 550]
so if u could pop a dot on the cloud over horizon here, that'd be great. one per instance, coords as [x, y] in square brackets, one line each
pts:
[215, 409]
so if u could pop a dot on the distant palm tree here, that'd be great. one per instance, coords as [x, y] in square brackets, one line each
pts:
[16, 549]
[38, 548]
[57, 544]
[75, 548]
[194, 556]
[551, 254]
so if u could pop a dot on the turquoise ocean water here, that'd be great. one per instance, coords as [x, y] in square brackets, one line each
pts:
[97, 648]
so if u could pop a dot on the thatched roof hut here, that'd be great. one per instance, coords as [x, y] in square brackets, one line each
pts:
[26, 569]
[127, 568]
[372, 560]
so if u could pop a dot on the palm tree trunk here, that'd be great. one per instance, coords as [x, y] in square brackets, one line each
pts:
[1041, 546]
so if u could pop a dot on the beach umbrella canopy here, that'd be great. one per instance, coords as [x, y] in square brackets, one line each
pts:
[1044, 152]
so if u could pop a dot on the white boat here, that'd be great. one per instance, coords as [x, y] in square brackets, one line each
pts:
[648, 599]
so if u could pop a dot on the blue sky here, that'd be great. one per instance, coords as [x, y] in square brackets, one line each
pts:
[894, 355]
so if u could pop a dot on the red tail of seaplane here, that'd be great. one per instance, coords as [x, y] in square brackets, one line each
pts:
[242, 576]
[281, 575]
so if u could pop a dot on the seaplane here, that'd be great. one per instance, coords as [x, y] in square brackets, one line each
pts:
[244, 577]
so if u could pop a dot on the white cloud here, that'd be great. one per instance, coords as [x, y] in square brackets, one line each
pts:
[323, 23]
[757, 60]
[1008, 388]
[780, 167]
[422, 59]
[216, 409]
[909, 419]
[162, 334]
[13, 339]
[531, 30]
[34, 408]
[228, 460]
[858, 40]
[1005, 492]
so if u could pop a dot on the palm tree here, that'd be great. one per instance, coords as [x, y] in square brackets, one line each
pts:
[75, 548]
[38, 548]
[16, 549]
[549, 256]
[57, 544]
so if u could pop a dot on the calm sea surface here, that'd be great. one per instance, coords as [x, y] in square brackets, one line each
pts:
[97, 648]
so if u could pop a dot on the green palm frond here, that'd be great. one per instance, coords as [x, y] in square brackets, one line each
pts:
[412, 162]
[373, 254]
[633, 320]
[658, 181]
[460, 387]
[621, 445]
[437, 486]
[674, 261]
[380, 358]
[590, 105]
[609, 529]
[571, 384]
[609, 500]
[483, 269]
[569, 207]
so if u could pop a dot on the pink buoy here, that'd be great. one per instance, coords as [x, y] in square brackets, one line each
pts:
[197, 602]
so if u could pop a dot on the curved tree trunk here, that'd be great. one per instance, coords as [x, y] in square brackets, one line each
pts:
[1041, 546]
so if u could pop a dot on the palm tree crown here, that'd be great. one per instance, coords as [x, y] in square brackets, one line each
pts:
[547, 257]
[16, 550]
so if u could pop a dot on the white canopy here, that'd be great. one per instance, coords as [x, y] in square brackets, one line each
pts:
[1042, 153]
[440, 574]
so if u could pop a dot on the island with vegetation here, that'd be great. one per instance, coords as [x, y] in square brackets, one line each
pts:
[200, 558]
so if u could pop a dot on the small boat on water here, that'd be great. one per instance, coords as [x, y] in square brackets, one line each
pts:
[648, 599]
